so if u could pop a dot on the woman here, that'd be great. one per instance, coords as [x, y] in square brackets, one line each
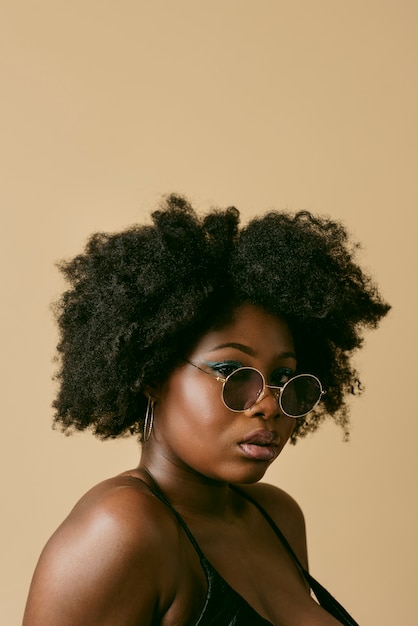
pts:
[217, 345]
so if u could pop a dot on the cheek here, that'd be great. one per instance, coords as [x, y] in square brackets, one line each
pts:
[193, 428]
[198, 402]
[190, 408]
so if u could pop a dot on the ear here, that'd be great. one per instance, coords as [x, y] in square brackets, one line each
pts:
[152, 391]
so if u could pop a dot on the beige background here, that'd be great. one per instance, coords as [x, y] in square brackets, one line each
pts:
[292, 104]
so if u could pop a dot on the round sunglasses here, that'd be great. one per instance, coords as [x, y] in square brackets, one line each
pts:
[246, 386]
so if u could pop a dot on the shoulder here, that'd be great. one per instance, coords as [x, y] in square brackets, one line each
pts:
[118, 513]
[285, 512]
[117, 553]
[123, 504]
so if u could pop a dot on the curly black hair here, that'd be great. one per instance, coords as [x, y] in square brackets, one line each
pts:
[139, 299]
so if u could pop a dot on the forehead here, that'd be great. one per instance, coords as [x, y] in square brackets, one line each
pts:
[262, 333]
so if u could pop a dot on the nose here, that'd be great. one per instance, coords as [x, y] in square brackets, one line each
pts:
[267, 404]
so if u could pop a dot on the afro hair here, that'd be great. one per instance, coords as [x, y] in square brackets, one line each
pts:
[139, 299]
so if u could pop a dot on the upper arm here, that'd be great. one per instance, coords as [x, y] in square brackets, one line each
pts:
[102, 566]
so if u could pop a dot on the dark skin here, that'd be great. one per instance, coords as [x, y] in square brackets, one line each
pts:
[121, 557]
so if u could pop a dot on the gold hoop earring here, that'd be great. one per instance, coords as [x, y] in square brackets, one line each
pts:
[149, 420]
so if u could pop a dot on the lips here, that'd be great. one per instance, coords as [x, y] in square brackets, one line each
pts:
[261, 445]
[262, 437]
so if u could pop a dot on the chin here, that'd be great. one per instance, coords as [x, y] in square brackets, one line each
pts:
[250, 474]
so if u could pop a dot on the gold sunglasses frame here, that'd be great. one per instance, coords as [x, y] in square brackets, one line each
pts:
[278, 391]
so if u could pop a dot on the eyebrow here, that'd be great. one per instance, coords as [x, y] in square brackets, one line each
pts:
[247, 350]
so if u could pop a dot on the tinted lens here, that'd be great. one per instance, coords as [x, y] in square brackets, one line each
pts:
[300, 395]
[242, 388]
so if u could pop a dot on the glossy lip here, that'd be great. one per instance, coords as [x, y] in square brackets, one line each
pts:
[261, 445]
[262, 437]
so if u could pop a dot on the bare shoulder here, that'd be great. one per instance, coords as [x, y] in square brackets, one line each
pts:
[113, 560]
[285, 512]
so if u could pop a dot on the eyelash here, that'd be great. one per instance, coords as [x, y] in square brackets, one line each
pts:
[227, 367]
[282, 372]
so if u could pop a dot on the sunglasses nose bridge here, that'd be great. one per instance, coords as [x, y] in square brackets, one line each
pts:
[277, 391]
[273, 390]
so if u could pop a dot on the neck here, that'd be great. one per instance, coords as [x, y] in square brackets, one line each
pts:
[188, 491]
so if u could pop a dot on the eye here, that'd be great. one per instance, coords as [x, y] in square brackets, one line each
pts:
[281, 376]
[224, 368]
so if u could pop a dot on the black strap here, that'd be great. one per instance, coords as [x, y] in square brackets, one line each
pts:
[325, 599]
[181, 521]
